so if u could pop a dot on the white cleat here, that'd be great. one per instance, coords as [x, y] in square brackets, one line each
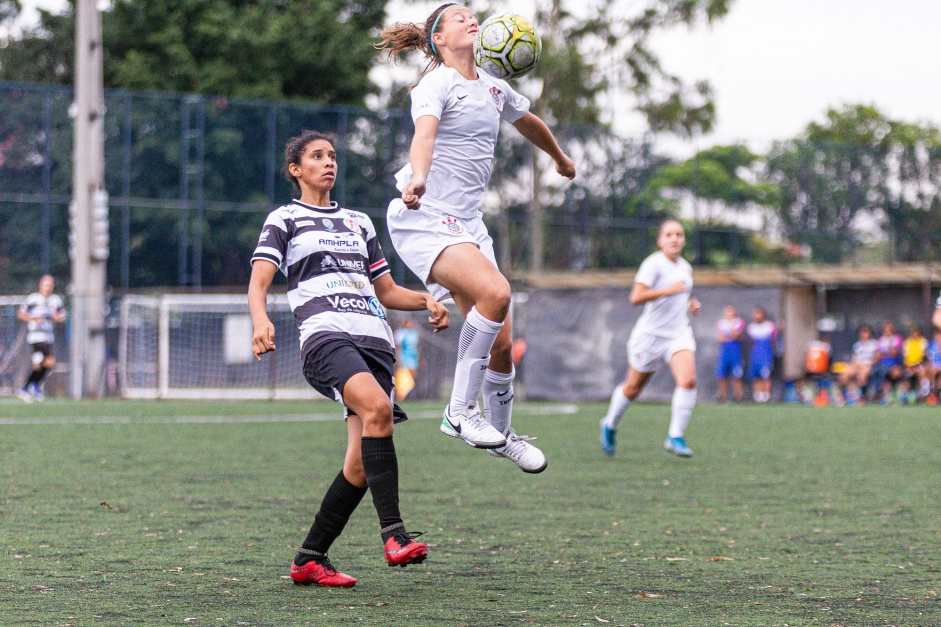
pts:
[519, 451]
[24, 395]
[472, 427]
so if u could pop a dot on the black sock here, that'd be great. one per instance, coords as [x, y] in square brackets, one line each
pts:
[34, 377]
[41, 374]
[338, 504]
[382, 475]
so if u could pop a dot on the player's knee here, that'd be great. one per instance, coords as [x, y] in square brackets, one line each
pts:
[687, 382]
[377, 418]
[496, 299]
[631, 391]
[50, 362]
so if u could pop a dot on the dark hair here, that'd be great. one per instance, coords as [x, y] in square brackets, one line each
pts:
[399, 38]
[294, 150]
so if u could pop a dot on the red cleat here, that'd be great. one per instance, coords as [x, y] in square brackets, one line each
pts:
[321, 572]
[401, 550]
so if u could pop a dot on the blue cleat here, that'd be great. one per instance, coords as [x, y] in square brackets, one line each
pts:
[677, 446]
[607, 439]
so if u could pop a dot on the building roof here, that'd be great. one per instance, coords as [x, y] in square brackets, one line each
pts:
[827, 276]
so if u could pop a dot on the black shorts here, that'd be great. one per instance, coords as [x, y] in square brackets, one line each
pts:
[330, 364]
[42, 347]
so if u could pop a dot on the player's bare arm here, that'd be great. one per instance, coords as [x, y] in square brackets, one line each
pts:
[641, 293]
[535, 130]
[420, 153]
[393, 296]
[694, 306]
[262, 330]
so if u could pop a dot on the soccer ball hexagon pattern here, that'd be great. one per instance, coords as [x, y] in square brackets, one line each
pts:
[507, 46]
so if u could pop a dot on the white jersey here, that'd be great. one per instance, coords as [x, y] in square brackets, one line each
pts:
[38, 306]
[666, 316]
[469, 115]
[331, 257]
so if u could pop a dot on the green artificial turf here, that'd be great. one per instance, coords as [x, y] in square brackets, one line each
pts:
[121, 513]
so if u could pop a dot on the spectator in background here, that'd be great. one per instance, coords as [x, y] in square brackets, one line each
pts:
[888, 369]
[764, 337]
[40, 312]
[914, 382]
[933, 366]
[817, 365]
[855, 377]
[406, 342]
[729, 331]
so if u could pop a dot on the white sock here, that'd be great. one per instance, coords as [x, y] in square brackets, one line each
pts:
[498, 398]
[473, 356]
[619, 404]
[683, 402]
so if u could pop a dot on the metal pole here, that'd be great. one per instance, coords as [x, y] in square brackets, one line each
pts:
[126, 189]
[89, 208]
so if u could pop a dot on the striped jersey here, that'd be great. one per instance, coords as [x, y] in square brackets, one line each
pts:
[331, 257]
[38, 306]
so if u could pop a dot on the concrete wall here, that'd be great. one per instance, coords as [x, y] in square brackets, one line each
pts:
[577, 340]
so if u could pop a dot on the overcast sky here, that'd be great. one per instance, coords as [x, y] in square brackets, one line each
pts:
[776, 65]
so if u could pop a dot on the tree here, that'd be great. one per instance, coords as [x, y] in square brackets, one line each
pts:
[860, 164]
[313, 50]
[580, 44]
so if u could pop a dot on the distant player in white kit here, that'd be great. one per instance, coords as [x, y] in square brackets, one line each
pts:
[436, 224]
[40, 312]
[663, 332]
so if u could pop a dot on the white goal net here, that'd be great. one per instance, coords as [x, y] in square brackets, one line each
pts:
[199, 346]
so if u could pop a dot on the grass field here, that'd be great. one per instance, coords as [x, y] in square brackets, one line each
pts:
[118, 513]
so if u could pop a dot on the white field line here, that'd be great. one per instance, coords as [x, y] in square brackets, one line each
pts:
[522, 410]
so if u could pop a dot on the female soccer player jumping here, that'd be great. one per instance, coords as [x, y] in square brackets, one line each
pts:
[662, 285]
[338, 283]
[436, 225]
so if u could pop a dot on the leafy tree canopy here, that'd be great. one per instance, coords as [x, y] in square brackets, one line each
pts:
[313, 50]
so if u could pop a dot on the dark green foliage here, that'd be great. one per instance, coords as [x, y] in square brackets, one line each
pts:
[312, 50]
[861, 164]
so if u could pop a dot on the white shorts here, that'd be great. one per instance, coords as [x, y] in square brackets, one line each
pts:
[644, 350]
[419, 236]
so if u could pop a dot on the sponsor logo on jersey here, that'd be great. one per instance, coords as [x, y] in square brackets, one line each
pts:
[336, 283]
[453, 225]
[328, 262]
[263, 237]
[361, 305]
[328, 224]
[353, 225]
[499, 98]
[376, 307]
[339, 242]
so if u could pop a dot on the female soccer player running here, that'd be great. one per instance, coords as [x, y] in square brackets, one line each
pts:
[662, 285]
[436, 225]
[338, 282]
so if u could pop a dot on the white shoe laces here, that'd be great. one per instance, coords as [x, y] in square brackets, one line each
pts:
[516, 445]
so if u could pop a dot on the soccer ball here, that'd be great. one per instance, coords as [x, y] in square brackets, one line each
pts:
[507, 46]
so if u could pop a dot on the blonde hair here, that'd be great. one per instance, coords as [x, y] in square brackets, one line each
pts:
[399, 38]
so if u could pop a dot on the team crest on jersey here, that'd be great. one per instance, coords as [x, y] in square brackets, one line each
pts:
[264, 236]
[499, 98]
[353, 225]
[328, 262]
[453, 225]
[328, 224]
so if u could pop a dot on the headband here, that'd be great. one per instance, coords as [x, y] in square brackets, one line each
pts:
[435, 26]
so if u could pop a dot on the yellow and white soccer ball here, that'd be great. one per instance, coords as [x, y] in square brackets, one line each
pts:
[507, 46]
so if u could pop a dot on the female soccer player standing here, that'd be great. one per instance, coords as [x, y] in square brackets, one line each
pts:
[436, 225]
[338, 282]
[662, 284]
